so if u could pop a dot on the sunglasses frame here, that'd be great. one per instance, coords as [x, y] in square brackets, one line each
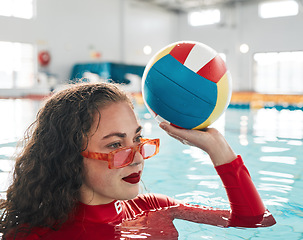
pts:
[109, 157]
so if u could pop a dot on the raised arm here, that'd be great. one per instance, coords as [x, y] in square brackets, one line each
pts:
[209, 140]
[247, 208]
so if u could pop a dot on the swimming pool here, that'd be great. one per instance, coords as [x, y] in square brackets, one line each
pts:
[270, 142]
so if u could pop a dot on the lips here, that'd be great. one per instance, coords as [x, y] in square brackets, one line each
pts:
[132, 178]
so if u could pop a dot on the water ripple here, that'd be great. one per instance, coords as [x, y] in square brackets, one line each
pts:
[279, 159]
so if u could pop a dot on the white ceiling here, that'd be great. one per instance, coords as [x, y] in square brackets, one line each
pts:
[187, 5]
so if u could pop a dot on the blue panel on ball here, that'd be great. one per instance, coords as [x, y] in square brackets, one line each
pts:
[173, 102]
[201, 87]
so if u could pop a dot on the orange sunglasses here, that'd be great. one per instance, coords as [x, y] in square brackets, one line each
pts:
[123, 157]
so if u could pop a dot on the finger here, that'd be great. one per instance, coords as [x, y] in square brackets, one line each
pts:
[173, 135]
[171, 130]
[182, 140]
[179, 134]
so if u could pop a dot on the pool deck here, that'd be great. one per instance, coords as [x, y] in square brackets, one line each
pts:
[258, 100]
[254, 99]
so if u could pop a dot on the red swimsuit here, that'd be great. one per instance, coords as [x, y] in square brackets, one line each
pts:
[151, 215]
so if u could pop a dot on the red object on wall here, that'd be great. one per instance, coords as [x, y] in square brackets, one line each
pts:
[44, 58]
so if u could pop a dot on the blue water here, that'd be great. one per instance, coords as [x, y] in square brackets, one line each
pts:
[270, 142]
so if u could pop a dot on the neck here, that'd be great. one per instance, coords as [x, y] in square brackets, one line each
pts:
[88, 197]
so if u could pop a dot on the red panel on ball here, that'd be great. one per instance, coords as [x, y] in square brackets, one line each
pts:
[181, 51]
[213, 70]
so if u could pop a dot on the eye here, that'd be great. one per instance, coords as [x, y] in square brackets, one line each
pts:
[114, 145]
[138, 138]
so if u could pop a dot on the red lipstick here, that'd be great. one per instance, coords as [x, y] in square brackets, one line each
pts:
[132, 178]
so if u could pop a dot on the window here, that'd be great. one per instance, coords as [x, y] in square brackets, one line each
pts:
[17, 65]
[17, 8]
[278, 72]
[204, 17]
[278, 9]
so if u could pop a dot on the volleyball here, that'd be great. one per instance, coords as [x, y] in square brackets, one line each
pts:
[186, 84]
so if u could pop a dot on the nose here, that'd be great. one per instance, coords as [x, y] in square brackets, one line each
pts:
[138, 159]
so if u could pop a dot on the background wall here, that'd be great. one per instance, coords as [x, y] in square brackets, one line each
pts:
[119, 29]
[241, 24]
[146, 25]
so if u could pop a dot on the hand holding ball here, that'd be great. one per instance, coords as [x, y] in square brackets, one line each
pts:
[186, 84]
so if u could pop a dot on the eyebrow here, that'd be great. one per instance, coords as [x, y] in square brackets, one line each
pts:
[121, 135]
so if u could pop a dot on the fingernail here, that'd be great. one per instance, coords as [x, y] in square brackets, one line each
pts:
[162, 125]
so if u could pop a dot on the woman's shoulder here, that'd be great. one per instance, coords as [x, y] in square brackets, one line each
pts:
[153, 201]
[34, 234]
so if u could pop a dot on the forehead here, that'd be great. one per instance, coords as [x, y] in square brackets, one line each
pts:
[118, 117]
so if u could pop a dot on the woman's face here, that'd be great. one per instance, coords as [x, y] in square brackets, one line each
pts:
[117, 127]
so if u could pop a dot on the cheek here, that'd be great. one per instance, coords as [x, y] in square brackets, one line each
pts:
[98, 176]
[95, 173]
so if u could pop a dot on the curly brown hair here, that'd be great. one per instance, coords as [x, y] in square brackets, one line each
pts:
[49, 171]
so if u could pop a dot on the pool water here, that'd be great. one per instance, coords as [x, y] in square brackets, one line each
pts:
[271, 145]
[269, 141]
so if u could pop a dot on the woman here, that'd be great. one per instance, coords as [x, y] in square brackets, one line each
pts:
[78, 175]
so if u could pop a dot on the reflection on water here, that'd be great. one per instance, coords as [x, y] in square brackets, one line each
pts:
[281, 124]
[279, 159]
[276, 200]
[277, 174]
[198, 155]
[208, 198]
[153, 225]
[243, 130]
[273, 149]
[7, 151]
[276, 180]
[16, 116]
[295, 143]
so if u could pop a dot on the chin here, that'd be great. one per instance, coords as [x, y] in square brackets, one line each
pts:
[131, 194]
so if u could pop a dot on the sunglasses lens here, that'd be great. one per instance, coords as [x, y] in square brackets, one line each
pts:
[122, 158]
[148, 150]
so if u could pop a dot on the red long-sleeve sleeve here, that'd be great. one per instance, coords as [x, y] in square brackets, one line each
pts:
[242, 194]
[247, 208]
